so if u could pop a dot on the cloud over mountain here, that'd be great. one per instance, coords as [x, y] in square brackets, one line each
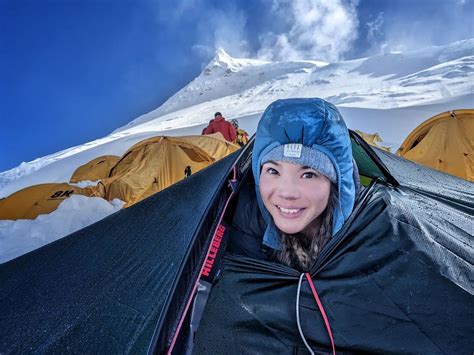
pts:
[305, 29]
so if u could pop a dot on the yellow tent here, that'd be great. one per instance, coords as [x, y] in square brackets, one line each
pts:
[213, 144]
[96, 169]
[372, 139]
[155, 163]
[444, 142]
[32, 201]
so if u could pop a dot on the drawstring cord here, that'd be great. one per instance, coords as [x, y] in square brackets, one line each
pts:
[298, 316]
[321, 309]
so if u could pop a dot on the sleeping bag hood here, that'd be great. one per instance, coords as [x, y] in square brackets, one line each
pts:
[316, 124]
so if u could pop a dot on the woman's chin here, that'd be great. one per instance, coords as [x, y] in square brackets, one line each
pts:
[289, 229]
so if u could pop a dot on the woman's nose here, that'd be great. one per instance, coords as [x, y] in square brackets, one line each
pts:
[288, 190]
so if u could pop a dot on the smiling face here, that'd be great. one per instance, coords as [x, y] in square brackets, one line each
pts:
[295, 195]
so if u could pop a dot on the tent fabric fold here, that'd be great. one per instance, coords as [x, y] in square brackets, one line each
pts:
[96, 169]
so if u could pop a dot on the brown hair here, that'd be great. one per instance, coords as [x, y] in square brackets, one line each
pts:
[300, 250]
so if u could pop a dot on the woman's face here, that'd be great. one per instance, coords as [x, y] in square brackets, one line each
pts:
[295, 195]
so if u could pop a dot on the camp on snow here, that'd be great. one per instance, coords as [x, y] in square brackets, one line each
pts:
[156, 163]
[146, 168]
[163, 275]
[444, 142]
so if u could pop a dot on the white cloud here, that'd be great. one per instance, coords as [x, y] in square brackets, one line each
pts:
[309, 29]
[289, 29]
[425, 24]
[375, 29]
[222, 27]
[280, 30]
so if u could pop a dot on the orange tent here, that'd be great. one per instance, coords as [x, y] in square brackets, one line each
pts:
[372, 139]
[444, 142]
[32, 201]
[155, 163]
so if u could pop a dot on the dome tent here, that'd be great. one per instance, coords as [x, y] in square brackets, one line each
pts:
[32, 201]
[158, 162]
[444, 142]
[96, 169]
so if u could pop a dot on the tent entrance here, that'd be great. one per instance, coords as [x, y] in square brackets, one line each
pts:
[370, 167]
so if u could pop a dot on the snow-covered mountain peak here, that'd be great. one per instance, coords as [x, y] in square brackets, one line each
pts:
[222, 55]
[389, 80]
[221, 59]
[225, 63]
[227, 76]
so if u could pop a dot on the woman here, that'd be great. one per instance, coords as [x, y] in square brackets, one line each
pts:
[305, 178]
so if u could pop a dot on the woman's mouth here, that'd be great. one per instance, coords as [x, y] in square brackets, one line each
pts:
[290, 212]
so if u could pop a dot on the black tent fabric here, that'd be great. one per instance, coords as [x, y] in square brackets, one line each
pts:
[108, 287]
[397, 279]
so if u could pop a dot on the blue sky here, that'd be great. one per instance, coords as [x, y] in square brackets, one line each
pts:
[74, 70]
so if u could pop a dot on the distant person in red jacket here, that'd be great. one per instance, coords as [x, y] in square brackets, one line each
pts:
[204, 129]
[219, 124]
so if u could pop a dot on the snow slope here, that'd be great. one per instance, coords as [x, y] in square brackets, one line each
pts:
[389, 94]
[385, 81]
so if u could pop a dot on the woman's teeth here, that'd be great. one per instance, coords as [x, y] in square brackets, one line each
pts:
[289, 210]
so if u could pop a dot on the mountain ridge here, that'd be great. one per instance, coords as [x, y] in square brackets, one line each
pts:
[388, 74]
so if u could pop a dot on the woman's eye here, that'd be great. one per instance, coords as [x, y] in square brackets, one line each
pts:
[272, 171]
[309, 175]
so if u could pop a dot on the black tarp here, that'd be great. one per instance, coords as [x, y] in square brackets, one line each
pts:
[108, 287]
[398, 278]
